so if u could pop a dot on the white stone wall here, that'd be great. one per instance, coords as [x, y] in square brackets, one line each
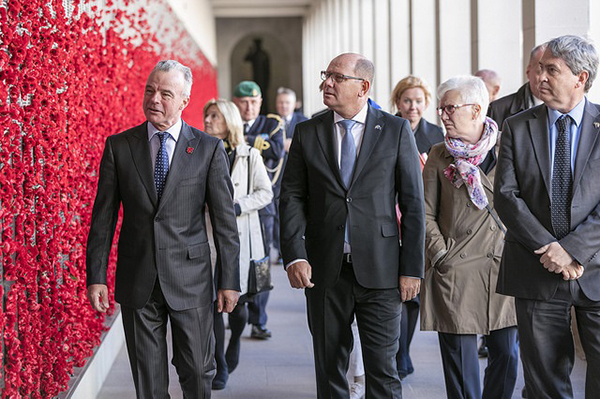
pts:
[438, 39]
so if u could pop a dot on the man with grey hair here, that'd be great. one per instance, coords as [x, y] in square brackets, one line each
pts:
[526, 97]
[339, 235]
[165, 174]
[492, 82]
[547, 193]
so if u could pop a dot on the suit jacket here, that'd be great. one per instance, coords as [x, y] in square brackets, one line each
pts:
[297, 117]
[511, 105]
[426, 135]
[523, 194]
[164, 240]
[315, 202]
[266, 135]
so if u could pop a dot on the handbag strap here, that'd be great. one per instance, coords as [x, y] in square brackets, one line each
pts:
[248, 193]
[489, 209]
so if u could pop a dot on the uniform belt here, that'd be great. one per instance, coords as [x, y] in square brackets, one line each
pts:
[347, 258]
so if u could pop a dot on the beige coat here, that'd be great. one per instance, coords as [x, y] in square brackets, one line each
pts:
[251, 199]
[463, 247]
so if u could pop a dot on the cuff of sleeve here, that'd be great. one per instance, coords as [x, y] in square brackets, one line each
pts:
[292, 262]
[238, 209]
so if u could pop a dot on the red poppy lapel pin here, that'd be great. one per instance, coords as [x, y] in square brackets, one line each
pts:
[190, 150]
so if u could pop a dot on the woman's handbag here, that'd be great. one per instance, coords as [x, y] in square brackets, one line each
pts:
[259, 275]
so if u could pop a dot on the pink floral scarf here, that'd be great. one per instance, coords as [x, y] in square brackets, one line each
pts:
[467, 158]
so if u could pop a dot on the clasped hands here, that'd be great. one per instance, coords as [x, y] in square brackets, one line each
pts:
[556, 259]
[300, 273]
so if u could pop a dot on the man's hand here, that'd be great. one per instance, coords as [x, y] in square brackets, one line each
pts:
[98, 296]
[409, 287]
[554, 257]
[300, 274]
[227, 300]
[573, 271]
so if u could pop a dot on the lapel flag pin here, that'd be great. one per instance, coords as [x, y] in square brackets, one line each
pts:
[190, 150]
[596, 125]
[378, 127]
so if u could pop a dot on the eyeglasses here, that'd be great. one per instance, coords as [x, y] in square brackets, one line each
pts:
[337, 77]
[449, 109]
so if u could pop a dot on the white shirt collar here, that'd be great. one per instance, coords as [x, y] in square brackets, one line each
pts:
[361, 117]
[174, 130]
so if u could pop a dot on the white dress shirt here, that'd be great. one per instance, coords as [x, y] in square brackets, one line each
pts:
[154, 140]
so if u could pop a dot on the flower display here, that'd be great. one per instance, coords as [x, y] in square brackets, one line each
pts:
[69, 77]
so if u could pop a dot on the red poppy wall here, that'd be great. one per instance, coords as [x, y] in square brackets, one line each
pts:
[69, 77]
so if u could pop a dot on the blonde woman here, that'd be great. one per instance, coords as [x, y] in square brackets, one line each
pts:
[252, 191]
[411, 97]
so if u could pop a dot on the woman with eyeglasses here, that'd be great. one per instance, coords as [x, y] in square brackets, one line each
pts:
[411, 97]
[463, 245]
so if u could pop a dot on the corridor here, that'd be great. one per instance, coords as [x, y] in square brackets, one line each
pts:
[282, 367]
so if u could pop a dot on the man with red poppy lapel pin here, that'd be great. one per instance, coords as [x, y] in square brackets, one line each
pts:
[165, 174]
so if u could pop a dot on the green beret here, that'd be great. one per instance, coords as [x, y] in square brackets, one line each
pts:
[247, 88]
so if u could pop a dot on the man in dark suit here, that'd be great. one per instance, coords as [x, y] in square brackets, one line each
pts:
[339, 235]
[265, 133]
[547, 193]
[526, 97]
[165, 173]
[285, 103]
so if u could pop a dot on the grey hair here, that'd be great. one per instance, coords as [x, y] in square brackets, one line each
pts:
[287, 91]
[364, 69]
[472, 91]
[167, 65]
[578, 53]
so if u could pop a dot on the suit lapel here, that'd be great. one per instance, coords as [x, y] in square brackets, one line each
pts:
[181, 159]
[326, 138]
[590, 128]
[140, 151]
[374, 125]
[538, 132]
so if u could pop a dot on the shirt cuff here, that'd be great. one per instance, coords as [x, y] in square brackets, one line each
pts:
[292, 262]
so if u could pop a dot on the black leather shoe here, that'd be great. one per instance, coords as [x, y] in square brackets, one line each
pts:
[220, 380]
[260, 332]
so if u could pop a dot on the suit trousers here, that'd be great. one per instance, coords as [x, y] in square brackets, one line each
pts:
[547, 345]
[193, 347]
[330, 314]
[461, 364]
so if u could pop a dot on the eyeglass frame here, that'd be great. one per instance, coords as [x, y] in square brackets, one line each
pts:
[335, 76]
[445, 108]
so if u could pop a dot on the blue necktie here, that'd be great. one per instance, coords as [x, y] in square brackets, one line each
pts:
[348, 154]
[562, 182]
[161, 168]
[347, 160]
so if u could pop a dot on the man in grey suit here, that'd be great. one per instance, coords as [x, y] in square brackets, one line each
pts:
[165, 174]
[339, 235]
[547, 193]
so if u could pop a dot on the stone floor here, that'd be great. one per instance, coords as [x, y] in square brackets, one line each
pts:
[282, 367]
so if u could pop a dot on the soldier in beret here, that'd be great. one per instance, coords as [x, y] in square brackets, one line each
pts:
[265, 133]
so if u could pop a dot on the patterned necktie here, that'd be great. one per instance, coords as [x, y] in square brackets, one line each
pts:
[161, 168]
[347, 160]
[562, 182]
